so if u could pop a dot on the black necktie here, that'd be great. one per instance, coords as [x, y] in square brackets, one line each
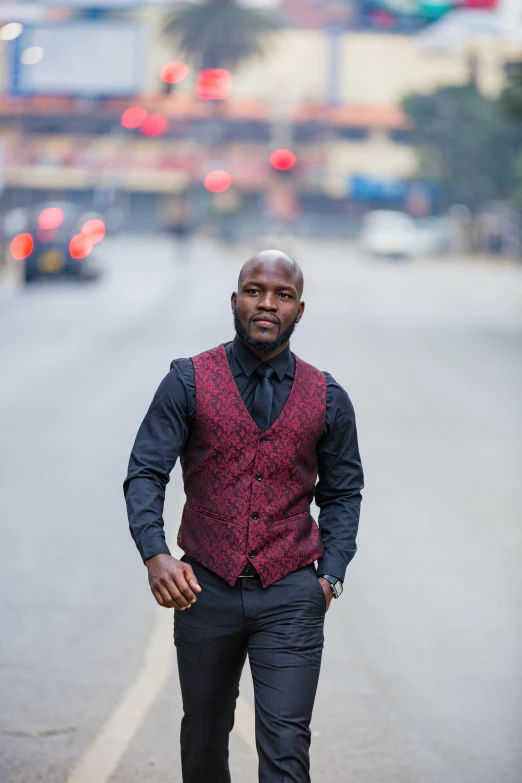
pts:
[263, 397]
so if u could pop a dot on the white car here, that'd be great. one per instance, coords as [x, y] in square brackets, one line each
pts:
[386, 232]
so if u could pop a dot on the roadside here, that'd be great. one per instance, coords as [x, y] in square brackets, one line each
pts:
[9, 274]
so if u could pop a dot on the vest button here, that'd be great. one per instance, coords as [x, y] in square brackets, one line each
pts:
[264, 440]
[255, 515]
[251, 554]
[259, 477]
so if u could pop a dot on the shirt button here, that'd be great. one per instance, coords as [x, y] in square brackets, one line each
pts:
[259, 477]
[255, 515]
[251, 554]
[264, 440]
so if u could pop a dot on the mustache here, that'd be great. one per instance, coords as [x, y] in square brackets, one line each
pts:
[273, 318]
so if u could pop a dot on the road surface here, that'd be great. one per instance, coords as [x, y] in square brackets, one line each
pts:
[421, 671]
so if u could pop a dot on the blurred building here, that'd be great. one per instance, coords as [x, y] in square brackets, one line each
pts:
[330, 89]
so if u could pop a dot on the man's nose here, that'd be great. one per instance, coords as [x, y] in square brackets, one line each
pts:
[267, 302]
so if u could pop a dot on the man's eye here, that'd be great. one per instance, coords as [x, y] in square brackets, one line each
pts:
[287, 296]
[252, 291]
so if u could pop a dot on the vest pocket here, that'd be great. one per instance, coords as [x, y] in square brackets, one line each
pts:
[207, 513]
[290, 520]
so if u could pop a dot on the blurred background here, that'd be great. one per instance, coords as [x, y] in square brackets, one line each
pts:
[147, 149]
[227, 118]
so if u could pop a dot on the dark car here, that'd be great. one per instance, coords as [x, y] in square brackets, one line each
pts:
[57, 242]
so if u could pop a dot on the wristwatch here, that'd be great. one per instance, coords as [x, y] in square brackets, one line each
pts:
[335, 583]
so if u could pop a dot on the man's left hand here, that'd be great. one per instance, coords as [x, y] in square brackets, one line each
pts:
[328, 592]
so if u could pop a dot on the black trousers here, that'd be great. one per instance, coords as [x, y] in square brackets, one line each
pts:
[281, 629]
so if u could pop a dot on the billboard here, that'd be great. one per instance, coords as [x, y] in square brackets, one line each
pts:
[411, 15]
[81, 58]
[400, 16]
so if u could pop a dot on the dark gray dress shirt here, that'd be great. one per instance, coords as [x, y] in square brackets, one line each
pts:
[165, 428]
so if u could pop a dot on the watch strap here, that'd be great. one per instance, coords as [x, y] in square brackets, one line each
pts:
[335, 582]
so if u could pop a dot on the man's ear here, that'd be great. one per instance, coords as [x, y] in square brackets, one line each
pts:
[233, 300]
[300, 311]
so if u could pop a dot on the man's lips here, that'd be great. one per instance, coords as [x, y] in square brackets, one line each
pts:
[264, 322]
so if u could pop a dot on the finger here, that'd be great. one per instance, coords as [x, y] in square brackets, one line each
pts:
[177, 595]
[191, 578]
[172, 598]
[167, 600]
[183, 586]
[163, 597]
[158, 596]
[173, 604]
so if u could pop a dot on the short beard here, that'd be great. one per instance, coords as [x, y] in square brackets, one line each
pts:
[255, 345]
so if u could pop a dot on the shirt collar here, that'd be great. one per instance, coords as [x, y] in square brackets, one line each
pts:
[249, 362]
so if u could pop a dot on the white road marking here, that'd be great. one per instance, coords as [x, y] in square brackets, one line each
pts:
[101, 758]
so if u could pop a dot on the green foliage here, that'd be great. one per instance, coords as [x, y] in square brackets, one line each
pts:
[220, 33]
[517, 196]
[467, 143]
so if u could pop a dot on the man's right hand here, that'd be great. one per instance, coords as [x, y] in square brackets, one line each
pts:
[173, 582]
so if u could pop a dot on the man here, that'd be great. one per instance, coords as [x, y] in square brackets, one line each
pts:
[254, 426]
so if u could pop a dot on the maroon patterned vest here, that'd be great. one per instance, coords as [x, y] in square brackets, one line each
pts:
[249, 492]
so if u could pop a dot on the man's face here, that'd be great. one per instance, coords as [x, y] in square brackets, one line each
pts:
[267, 303]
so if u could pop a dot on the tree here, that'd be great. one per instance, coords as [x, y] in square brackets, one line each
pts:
[512, 96]
[511, 101]
[220, 33]
[466, 143]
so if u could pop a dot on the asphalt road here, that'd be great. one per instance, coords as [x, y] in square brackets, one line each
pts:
[421, 679]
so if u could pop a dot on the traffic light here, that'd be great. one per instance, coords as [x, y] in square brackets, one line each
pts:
[282, 160]
[217, 181]
[155, 125]
[213, 84]
[51, 218]
[174, 72]
[133, 117]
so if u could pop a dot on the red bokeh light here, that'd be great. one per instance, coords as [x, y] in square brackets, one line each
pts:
[283, 159]
[217, 181]
[155, 125]
[174, 72]
[80, 246]
[22, 246]
[213, 84]
[94, 229]
[133, 117]
[51, 218]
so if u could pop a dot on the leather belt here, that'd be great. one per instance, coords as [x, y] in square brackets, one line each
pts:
[249, 572]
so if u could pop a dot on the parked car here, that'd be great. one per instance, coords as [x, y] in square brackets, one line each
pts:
[388, 233]
[53, 239]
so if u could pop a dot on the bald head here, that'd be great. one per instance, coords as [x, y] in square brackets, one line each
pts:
[273, 261]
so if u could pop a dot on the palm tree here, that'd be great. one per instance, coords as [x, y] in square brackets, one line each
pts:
[220, 33]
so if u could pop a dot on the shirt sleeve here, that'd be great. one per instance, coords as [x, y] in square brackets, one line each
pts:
[159, 442]
[340, 481]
